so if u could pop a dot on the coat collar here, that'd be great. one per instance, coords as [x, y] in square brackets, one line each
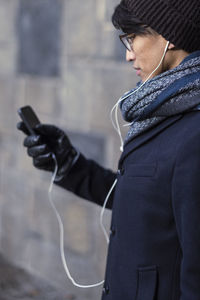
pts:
[138, 141]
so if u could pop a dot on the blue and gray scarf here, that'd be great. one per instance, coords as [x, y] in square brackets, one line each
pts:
[172, 92]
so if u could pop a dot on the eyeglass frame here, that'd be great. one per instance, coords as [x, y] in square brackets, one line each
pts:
[122, 37]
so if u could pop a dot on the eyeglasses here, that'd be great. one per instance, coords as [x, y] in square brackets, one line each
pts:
[127, 40]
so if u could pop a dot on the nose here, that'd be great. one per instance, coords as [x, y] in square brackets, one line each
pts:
[130, 56]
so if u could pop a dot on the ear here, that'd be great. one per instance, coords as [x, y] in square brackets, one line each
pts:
[171, 46]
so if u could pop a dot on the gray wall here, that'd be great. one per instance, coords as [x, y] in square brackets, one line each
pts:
[62, 57]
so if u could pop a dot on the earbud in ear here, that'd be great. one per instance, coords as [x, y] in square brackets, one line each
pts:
[168, 42]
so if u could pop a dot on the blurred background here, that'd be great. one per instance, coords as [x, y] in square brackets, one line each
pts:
[64, 58]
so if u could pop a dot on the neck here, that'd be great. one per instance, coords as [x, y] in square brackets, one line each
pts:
[174, 58]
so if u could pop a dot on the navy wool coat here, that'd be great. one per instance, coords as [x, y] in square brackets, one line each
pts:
[154, 249]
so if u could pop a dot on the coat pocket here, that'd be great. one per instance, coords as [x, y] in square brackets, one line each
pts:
[147, 283]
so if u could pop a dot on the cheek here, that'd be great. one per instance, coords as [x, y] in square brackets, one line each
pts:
[149, 57]
[148, 53]
[144, 58]
[143, 52]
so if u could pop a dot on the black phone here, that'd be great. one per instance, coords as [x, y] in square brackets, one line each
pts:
[29, 118]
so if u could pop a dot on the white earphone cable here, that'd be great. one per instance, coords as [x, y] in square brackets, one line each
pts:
[103, 210]
[61, 227]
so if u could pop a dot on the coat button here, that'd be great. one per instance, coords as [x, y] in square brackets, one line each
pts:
[120, 171]
[106, 290]
[112, 231]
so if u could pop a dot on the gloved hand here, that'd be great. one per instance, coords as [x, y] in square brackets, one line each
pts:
[49, 139]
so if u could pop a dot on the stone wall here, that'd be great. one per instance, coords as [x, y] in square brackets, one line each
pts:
[62, 57]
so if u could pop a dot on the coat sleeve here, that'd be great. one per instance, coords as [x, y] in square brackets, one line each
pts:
[89, 180]
[186, 206]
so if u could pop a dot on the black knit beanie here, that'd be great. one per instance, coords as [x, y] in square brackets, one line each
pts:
[178, 21]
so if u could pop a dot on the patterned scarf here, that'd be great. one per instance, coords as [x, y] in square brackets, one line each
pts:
[172, 92]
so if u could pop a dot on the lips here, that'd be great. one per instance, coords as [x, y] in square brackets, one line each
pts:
[138, 71]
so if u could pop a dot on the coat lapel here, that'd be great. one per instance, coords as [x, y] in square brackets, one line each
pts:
[146, 136]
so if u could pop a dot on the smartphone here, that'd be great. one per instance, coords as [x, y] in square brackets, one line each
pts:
[29, 118]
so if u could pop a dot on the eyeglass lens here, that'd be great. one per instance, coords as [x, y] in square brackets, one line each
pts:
[128, 41]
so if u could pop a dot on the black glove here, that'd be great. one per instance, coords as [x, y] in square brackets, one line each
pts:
[49, 139]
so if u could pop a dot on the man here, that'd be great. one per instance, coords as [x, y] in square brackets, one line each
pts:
[154, 248]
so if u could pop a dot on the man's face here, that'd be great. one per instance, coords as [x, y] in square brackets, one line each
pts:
[146, 54]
